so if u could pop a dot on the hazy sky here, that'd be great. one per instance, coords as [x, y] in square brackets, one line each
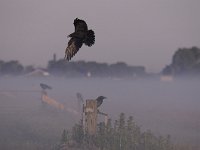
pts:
[138, 32]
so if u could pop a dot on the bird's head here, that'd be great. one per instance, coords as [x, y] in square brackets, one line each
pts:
[75, 21]
[101, 98]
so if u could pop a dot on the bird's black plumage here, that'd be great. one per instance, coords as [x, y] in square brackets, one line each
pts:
[80, 36]
[44, 86]
[100, 100]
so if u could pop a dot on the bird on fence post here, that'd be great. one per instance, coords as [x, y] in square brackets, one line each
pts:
[45, 86]
[100, 100]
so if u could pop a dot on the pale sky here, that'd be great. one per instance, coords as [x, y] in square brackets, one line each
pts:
[138, 32]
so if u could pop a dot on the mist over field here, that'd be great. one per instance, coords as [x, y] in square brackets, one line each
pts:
[163, 107]
[145, 60]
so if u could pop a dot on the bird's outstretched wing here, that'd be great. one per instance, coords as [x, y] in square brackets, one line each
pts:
[74, 45]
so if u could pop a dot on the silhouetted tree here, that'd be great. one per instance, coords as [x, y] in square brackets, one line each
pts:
[184, 61]
[12, 67]
[29, 69]
[82, 68]
[1, 66]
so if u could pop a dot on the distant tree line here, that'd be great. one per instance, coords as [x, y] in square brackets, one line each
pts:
[94, 69]
[75, 69]
[13, 67]
[124, 134]
[185, 61]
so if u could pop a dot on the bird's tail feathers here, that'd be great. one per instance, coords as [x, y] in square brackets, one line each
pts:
[90, 38]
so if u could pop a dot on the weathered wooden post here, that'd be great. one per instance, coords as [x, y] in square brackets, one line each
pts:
[90, 122]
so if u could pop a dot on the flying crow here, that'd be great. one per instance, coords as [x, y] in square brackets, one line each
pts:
[80, 36]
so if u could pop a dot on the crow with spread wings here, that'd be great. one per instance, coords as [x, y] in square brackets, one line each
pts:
[80, 36]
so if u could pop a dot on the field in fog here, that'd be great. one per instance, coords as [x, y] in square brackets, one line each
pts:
[163, 107]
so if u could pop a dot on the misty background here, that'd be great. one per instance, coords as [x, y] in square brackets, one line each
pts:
[163, 107]
[138, 37]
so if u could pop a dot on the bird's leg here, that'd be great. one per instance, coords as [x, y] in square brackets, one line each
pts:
[71, 35]
[65, 58]
[76, 35]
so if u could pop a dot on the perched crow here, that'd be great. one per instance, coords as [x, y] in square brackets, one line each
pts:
[80, 36]
[100, 100]
[44, 86]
